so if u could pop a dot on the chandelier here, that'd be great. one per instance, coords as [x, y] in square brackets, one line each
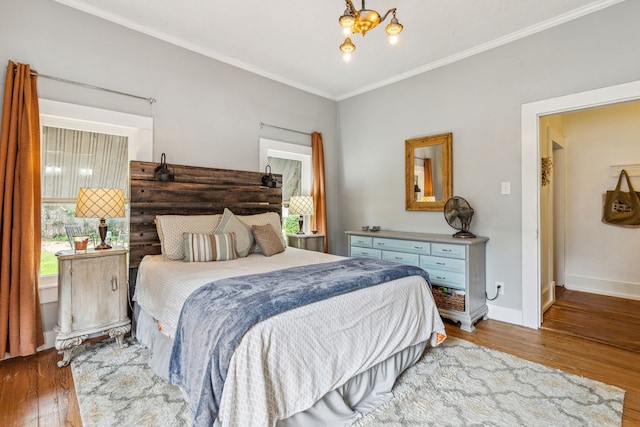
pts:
[360, 21]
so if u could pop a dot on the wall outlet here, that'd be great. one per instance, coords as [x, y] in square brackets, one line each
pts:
[501, 290]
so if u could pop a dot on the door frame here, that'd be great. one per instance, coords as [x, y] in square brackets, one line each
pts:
[531, 113]
[559, 182]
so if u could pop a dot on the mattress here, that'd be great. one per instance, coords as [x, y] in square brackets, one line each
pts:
[290, 362]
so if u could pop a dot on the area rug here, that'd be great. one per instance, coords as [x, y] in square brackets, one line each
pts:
[455, 384]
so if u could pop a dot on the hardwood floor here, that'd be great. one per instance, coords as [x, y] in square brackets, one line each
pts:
[608, 320]
[35, 392]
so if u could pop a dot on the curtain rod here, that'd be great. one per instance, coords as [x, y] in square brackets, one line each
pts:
[44, 76]
[262, 125]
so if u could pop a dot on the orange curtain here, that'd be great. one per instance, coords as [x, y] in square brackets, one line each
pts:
[20, 318]
[428, 178]
[319, 220]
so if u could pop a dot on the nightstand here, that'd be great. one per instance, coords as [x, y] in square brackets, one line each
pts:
[310, 242]
[92, 298]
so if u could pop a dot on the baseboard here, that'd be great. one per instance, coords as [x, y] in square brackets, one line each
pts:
[610, 288]
[49, 341]
[503, 314]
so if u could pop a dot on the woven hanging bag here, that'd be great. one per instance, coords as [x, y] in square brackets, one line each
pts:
[622, 208]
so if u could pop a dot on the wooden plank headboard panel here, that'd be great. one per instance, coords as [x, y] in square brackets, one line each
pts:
[195, 191]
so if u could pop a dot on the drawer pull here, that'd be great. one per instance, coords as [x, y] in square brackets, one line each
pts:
[441, 263]
[446, 250]
[399, 257]
[441, 278]
[418, 247]
[114, 283]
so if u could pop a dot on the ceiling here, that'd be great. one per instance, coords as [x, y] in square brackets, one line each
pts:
[296, 41]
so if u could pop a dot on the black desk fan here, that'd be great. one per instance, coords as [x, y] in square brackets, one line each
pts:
[458, 214]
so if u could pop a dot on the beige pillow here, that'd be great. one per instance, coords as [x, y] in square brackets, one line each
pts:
[244, 236]
[269, 239]
[171, 228]
[261, 219]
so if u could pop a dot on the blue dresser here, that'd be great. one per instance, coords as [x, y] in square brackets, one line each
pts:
[456, 267]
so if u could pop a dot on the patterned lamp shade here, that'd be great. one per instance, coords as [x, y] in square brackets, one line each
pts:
[301, 205]
[100, 203]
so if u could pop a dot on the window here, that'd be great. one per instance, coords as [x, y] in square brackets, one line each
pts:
[293, 162]
[83, 147]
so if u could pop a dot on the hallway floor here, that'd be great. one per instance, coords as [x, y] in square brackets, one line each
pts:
[608, 320]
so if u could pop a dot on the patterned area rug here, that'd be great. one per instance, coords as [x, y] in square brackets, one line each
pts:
[456, 384]
[115, 387]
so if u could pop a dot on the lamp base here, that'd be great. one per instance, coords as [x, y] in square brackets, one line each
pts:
[300, 224]
[102, 229]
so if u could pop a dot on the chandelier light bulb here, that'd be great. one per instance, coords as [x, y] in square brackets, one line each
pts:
[394, 26]
[347, 19]
[346, 57]
[346, 31]
[393, 39]
[347, 46]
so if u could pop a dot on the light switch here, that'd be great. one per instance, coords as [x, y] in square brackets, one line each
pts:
[505, 188]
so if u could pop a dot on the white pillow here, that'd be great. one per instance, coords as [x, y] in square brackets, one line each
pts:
[172, 227]
[262, 219]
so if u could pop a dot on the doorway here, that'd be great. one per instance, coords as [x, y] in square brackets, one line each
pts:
[531, 249]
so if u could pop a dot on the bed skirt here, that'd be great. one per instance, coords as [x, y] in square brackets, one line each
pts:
[340, 407]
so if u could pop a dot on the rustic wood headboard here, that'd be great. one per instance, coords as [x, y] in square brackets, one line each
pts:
[195, 191]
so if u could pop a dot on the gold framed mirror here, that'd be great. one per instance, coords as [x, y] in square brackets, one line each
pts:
[428, 183]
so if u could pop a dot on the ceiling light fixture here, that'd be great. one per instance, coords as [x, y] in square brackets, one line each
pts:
[363, 20]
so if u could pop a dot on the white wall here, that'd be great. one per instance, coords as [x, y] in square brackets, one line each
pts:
[600, 258]
[479, 100]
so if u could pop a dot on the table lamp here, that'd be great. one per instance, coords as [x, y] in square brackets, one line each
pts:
[100, 203]
[301, 206]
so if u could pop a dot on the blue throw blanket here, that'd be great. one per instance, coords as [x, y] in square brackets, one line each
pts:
[216, 316]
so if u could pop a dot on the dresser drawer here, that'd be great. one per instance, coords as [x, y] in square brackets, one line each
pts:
[358, 252]
[404, 258]
[362, 241]
[447, 278]
[411, 246]
[451, 251]
[429, 262]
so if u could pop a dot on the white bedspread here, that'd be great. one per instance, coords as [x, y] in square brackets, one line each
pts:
[285, 364]
[163, 286]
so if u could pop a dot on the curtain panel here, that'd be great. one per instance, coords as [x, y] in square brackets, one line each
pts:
[428, 178]
[20, 318]
[319, 220]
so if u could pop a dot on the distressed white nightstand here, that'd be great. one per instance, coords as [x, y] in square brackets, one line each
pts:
[310, 242]
[92, 298]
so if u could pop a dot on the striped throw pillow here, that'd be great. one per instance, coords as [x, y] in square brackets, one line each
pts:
[200, 247]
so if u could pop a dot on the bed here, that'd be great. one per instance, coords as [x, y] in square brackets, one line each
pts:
[327, 362]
